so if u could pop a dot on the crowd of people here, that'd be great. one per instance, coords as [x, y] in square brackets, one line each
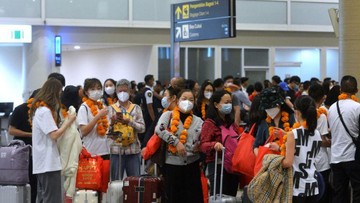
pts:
[316, 121]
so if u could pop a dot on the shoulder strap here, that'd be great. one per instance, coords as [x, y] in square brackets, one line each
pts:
[116, 108]
[342, 121]
[131, 108]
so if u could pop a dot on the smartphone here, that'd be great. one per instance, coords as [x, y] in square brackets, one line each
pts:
[119, 115]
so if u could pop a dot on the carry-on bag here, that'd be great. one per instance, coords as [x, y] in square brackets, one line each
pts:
[14, 163]
[220, 198]
[15, 193]
[86, 196]
[114, 192]
[89, 171]
[143, 189]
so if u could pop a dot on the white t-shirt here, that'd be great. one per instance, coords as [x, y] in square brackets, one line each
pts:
[94, 143]
[322, 161]
[306, 149]
[342, 146]
[45, 153]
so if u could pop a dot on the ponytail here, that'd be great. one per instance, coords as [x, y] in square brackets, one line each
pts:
[311, 118]
[307, 107]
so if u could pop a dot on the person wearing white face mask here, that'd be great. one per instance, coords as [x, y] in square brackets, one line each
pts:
[92, 119]
[219, 115]
[202, 102]
[273, 104]
[180, 129]
[126, 123]
[109, 95]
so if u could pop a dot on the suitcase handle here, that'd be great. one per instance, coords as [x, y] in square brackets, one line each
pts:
[222, 172]
[16, 143]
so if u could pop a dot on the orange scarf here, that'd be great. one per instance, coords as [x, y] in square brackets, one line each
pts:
[102, 123]
[37, 105]
[174, 127]
[287, 128]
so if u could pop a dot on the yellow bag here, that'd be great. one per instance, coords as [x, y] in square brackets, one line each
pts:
[126, 133]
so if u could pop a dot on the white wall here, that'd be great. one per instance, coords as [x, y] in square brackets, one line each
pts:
[132, 63]
[309, 58]
[11, 75]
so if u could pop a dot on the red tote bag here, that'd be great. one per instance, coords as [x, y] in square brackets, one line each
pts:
[243, 161]
[262, 151]
[89, 171]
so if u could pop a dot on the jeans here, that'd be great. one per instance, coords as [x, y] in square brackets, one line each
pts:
[343, 173]
[129, 163]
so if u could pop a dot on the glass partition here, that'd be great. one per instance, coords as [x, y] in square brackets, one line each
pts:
[231, 62]
[201, 64]
[20, 8]
[151, 10]
[308, 13]
[88, 9]
[261, 12]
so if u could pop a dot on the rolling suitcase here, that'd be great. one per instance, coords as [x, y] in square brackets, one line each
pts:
[114, 194]
[220, 198]
[143, 189]
[15, 194]
[86, 196]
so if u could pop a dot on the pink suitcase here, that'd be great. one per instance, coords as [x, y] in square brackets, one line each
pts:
[15, 194]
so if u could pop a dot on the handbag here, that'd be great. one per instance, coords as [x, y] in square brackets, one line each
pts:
[205, 186]
[243, 161]
[152, 146]
[356, 141]
[89, 171]
[14, 163]
[105, 175]
[262, 151]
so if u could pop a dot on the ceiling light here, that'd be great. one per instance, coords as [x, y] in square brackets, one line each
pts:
[77, 47]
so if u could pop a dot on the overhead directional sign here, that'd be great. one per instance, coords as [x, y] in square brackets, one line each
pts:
[202, 20]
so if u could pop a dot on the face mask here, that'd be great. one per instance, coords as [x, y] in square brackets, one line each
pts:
[273, 112]
[186, 106]
[226, 108]
[208, 95]
[123, 96]
[95, 94]
[110, 90]
[165, 103]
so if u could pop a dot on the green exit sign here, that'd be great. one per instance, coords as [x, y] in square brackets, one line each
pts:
[18, 34]
[15, 34]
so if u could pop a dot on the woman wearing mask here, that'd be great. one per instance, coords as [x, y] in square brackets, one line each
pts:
[109, 95]
[127, 122]
[182, 172]
[46, 158]
[219, 114]
[202, 102]
[277, 117]
[92, 119]
[301, 147]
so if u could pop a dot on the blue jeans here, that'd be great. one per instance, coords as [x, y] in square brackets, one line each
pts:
[130, 163]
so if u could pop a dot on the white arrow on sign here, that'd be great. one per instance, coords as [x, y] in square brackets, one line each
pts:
[178, 32]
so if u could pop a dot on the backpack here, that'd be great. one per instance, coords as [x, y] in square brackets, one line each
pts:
[229, 138]
[125, 132]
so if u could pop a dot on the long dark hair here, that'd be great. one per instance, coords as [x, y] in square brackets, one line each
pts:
[213, 113]
[201, 92]
[105, 95]
[306, 105]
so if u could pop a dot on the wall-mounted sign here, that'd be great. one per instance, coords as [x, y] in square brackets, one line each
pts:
[57, 50]
[203, 20]
[15, 34]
